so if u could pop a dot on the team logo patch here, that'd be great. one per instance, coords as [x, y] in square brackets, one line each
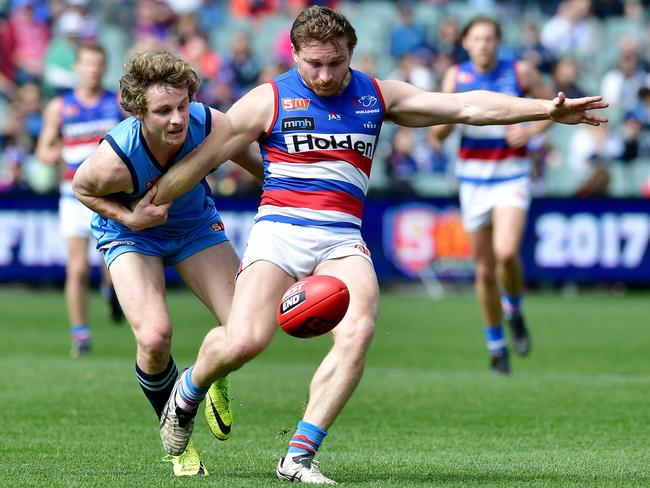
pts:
[291, 124]
[217, 226]
[366, 101]
[295, 103]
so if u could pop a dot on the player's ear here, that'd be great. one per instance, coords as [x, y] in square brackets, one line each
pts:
[294, 53]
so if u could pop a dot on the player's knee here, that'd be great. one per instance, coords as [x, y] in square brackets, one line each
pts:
[505, 254]
[154, 344]
[355, 337]
[485, 272]
[77, 272]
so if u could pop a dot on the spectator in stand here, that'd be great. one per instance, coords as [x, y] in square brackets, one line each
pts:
[565, 77]
[591, 150]
[7, 67]
[59, 74]
[406, 36]
[448, 41]
[154, 19]
[253, 8]
[89, 28]
[31, 36]
[532, 50]
[621, 84]
[571, 30]
[29, 102]
[608, 8]
[412, 69]
[242, 65]
[636, 129]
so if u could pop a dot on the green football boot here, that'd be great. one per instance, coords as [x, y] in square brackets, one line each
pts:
[187, 464]
[218, 409]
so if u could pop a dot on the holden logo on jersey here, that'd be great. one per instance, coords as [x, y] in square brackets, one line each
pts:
[362, 143]
[292, 124]
[333, 116]
[295, 103]
[217, 226]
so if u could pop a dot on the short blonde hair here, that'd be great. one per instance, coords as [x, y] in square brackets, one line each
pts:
[321, 24]
[147, 69]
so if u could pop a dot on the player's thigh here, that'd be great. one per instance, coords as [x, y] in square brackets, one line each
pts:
[258, 291]
[210, 274]
[359, 276]
[508, 229]
[139, 282]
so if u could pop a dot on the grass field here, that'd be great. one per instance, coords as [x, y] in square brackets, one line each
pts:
[427, 413]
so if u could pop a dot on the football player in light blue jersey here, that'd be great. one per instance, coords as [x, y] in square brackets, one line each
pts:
[139, 239]
[494, 173]
[313, 173]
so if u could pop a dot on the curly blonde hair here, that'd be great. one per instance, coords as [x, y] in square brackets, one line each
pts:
[147, 69]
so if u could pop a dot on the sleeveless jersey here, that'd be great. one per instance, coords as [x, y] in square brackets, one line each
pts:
[318, 152]
[189, 210]
[485, 156]
[82, 128]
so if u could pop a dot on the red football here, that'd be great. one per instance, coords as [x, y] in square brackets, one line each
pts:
[313, 306]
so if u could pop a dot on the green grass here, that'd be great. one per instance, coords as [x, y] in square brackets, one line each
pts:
[427, 413]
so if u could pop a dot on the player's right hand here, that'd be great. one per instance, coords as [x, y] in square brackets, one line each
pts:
[146, 214]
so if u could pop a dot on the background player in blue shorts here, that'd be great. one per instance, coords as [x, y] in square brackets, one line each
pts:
[317, 160]
[73, 125]
[495, 174]
[165, 125]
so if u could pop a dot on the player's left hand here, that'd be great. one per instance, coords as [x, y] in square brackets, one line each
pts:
[576, 110]
[518, 135]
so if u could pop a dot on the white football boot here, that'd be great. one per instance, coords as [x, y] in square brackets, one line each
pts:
[301, 469]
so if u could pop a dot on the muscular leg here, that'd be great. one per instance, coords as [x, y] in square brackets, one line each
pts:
[211, 276]
[139, 282]
[250, 327]
[340, 372]
[76, 280]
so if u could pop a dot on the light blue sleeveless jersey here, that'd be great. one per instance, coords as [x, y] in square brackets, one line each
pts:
[193, 222]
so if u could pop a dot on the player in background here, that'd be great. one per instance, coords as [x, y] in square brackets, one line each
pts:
[73, 125]
[495, 184]
[165, 125]
[317, 125]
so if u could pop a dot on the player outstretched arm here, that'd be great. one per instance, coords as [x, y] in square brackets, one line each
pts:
[412, 107]
[103, 175]
[243, 124]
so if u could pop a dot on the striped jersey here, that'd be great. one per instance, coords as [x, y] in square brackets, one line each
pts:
[485, 156]
[82, 128]
[318, 152]
[188, 210]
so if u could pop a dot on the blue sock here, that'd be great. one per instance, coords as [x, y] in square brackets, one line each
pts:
[495, 339]
[188, 395]
[511, 305]
[158, 386]
[306, 440]
[80, 333]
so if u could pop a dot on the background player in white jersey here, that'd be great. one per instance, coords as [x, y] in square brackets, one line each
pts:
[314, 182]
[494, 174]
[158, 89]
[73, 125]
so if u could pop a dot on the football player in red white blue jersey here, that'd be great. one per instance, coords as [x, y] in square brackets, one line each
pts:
[73, 125]
[317, 126]
[139, 239]
[495, 179]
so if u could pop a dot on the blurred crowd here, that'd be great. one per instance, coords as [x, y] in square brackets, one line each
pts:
[581, 47]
